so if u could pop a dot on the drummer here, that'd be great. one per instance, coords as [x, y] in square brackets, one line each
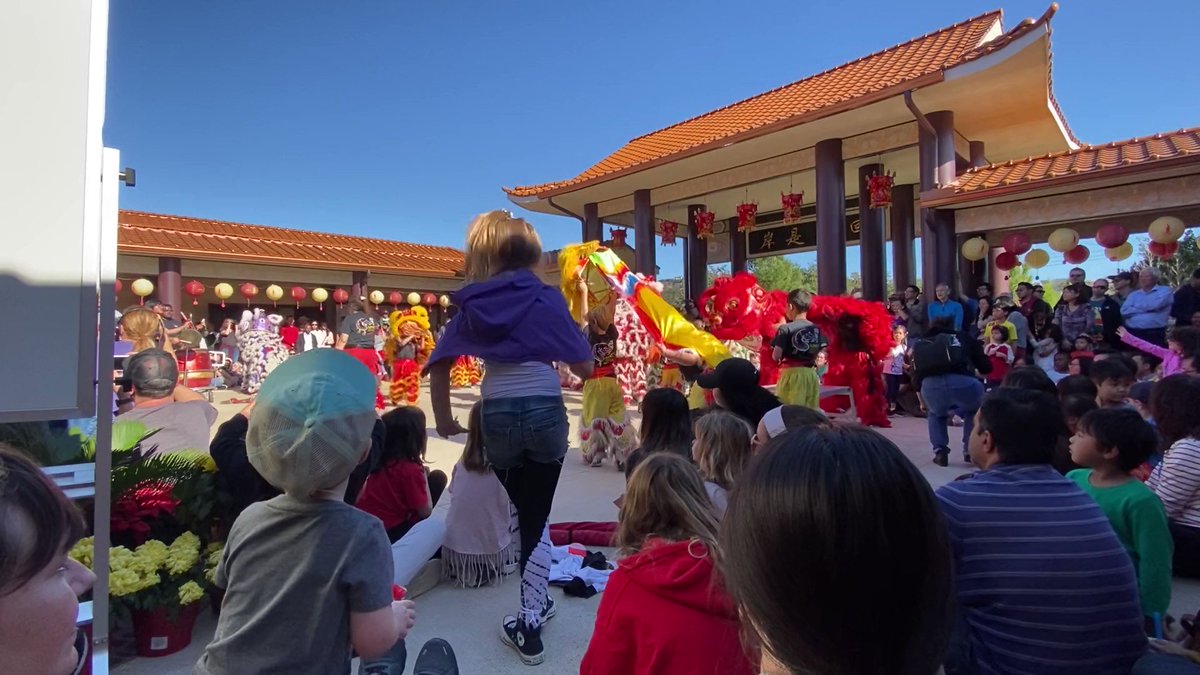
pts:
[184, 419]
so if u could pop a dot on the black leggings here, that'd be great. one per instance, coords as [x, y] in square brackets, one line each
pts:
[531, 488]
[437, 485]
[1187, 550]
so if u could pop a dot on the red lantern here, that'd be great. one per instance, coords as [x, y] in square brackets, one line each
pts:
[395, 297]
[1018, 243]
[669, 230]
[195, 289]
[340, 296]
[248, 291]
[618, 237]
[792, 203]
[117, 285]
[429, 299]
[879, 187]
[298, 294]
[1077, 255]
[704, 224]
[1163, 251]
[1006, 261]
[1111, 236]
[747, 216]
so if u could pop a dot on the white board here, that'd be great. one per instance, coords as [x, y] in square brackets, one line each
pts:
[52, 80]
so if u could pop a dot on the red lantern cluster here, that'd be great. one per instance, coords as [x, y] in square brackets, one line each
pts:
[879, 187]
[195, 289]
[1018, 243]
[670, 230]
[747, 216]
[792, 203]
[704, 224]
[1112, 236]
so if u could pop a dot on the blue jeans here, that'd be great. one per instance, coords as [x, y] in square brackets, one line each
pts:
[942, 393]
[524, 429]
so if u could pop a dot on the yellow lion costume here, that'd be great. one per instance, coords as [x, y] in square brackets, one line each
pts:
[408, 347]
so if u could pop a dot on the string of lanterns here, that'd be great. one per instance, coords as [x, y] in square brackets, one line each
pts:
[144, 288]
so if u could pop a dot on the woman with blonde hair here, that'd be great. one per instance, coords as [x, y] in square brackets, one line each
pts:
[518, 325]
[664, 609]
[721, 450]
[143, 328]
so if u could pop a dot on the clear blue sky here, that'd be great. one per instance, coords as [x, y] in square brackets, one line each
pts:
[403, 119]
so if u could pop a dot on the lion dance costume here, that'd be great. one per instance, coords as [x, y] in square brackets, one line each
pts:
[745, 318]
[407, 357]
[260, 348]
[860, 337]
[465, 372]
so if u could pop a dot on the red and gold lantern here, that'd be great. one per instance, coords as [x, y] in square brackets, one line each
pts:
[669, 231]
[248, 291]
[747, 216]
[429, 299]
[1163, 250]
[340, 296]
[792, 203]
[298, 294]
[195, 289]
[1077, 255]
[879, 187]
[395, 298]
[704, 224]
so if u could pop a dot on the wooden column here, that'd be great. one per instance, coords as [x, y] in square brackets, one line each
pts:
[696, 270]
[871, 244]
[978, 158]
[737, 247]
[170, 284]
[946, 251]
[593, 229]
[643, 232]
[903, 236]
[358, 286]
[927, 170]
[831, 218]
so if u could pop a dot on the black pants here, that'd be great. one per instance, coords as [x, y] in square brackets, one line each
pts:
[437, 485]
[1187, 550]
[531, 488]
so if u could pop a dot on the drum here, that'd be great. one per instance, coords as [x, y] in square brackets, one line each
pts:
[195, 368]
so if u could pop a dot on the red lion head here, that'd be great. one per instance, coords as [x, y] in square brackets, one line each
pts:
[733, 306]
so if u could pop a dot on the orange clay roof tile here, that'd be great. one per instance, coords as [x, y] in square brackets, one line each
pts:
[143, 233]
[894, 66]
[1085, 160]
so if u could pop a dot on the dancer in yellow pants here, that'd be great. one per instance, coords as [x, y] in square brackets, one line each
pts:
[795, 348]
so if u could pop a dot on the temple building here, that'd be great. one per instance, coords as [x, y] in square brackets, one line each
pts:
[952, 135]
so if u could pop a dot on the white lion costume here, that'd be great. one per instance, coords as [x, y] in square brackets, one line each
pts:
[260, 347]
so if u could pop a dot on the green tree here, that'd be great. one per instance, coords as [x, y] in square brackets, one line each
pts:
[673, 291]
[1177, 269]
[1022, 274]
[777, 273]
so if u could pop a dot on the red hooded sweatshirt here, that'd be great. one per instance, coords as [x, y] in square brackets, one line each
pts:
[664, 611]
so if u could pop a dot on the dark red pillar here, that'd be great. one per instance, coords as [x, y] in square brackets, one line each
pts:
[696, 267]
[170, 284]
[903, 236]
[358, 286]
[927, 170]
[978, 158]
[871, 243]
[643, 232]
[593, 229]
[831, 218]
[945, 251]
[737, 247]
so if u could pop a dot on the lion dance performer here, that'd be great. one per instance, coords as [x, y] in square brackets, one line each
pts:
[407, 349]
[795, 348]
[860, 337]
[745, 318]
[260, 348]
[465, 372]
[604, 416]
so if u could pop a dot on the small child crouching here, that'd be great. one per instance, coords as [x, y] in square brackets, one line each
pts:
[721, 450]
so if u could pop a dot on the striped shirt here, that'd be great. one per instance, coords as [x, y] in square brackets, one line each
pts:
[1043, 583]
[1176, 481]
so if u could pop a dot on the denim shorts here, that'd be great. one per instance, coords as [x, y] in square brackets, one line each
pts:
[524, 429]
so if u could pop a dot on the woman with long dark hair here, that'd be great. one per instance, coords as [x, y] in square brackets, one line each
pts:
[666, 427]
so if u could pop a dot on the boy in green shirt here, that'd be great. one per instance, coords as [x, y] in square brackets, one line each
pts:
[1112, 442]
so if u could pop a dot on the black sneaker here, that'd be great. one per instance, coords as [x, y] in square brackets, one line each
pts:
[436, 658]
[549, 610]
[941, 457]
[527, 641]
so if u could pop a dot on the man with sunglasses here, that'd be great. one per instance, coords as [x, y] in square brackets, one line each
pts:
[1107, 312]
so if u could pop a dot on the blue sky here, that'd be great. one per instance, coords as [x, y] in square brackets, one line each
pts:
[403, 119]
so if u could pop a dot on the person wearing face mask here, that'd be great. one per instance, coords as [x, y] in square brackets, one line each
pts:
[40, 584]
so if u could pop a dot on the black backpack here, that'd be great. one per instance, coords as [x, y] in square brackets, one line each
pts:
[939, 355]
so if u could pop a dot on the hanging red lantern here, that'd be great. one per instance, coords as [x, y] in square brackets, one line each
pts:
[1006, 261]
[298, 294]
[670, 229]
[195, 289]
[429, 299]
[248, 291]
[1077, 255]
[395, 298]
[879, 187]
[747, 216]
[340, 296]
[704, 224]
[792, 203]
[618, 237]
[1111, 236]
[1018, 243]
[1162, 250]
[117, 286]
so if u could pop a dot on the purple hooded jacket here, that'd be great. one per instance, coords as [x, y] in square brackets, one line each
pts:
[512, 318]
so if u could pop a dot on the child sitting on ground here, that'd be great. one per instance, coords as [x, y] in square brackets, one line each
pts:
[1110, 443]
[1000, 353]
[310, 428]
[479, 546]
[664, 609]
[1112, 379]
[400, 491]
[721, 450]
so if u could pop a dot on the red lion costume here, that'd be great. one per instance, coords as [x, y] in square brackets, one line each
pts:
[745, 317]
[860, 337]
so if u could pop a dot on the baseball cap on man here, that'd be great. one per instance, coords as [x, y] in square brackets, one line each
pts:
[732, 374]
[153, 372]
[312, 421]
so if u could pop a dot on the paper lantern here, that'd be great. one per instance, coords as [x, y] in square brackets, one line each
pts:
[879, 189]
[1006, 261]
[142, 288]
[429, 299]
[195, 289]
[975, 249]
[1112, 236]
[1166, 229]
[670, 229]
[1159, 249]
[1018, 243]
[1037, 259]
[444, 301]
[320, 295]
[117, 285]
[1119, 253]
[395, 298]
[298, 294]
[1063, 239]
[792, 202]
[376, 298]
[340, 296]
[747, 216]
[414, 298]
[704, 225]
[248, 290]
[223, 291]
[274, 294]
[1077, 255]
